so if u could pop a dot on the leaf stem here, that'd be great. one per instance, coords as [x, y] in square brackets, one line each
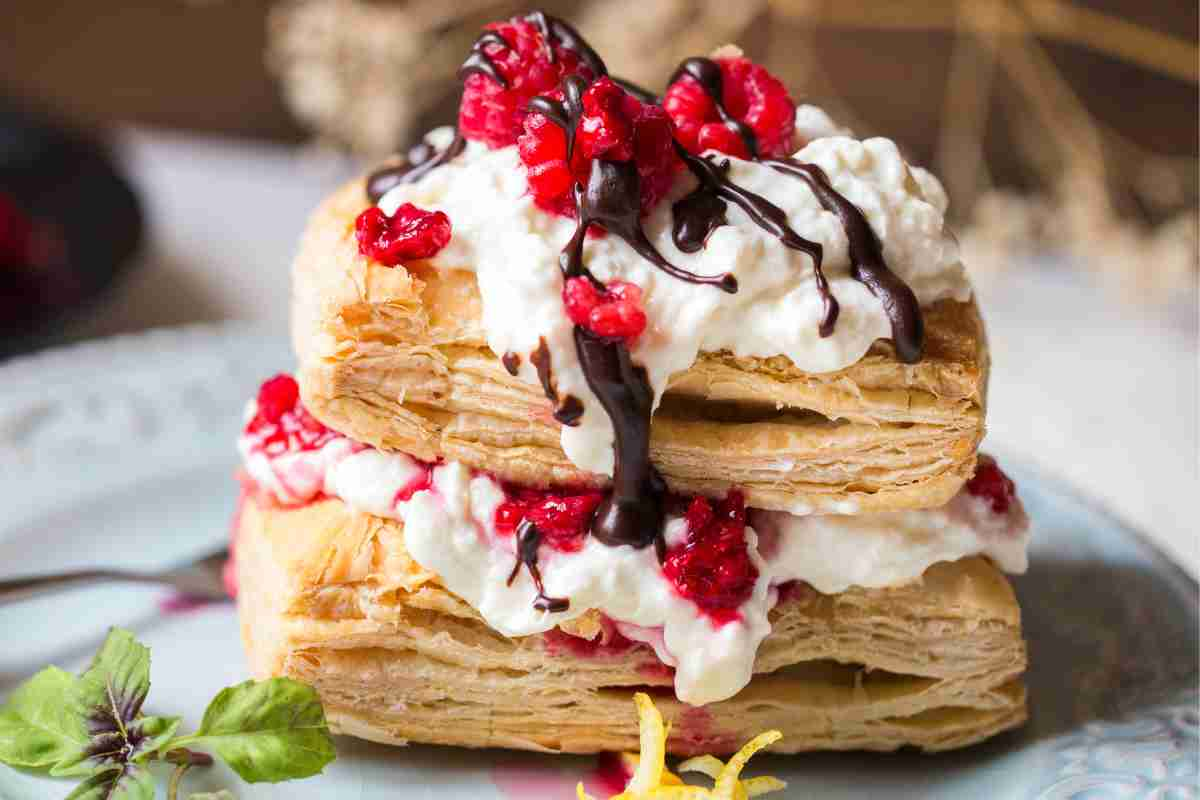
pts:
[176, 779]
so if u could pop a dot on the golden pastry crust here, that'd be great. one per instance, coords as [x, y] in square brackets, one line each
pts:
[330, 596]
[397, 358]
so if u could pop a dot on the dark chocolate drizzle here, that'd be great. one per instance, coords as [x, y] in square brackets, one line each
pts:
[633, 512]
[529, 539]
[707, 73]
[698, 213]
[643, 94]
[570, 409]
[867, 265]
[480, 63]
[421, 160]
[511, 362]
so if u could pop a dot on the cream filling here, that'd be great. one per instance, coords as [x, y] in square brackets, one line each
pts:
[513, 247]
[449, 529]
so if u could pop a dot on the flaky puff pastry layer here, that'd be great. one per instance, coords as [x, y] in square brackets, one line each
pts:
[397, 358]
[329, 596]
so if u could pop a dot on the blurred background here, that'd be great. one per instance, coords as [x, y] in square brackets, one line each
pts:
[158, 160]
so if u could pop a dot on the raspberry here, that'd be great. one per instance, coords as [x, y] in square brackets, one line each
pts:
[282, 424]
[277, 396]
[409, 234]
[990, 483]
[614, 126]
[750, 94]
[562, 519]
[614, 313]
[492, 113]
[712, 568]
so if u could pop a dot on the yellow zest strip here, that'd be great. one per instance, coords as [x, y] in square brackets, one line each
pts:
[652, 781]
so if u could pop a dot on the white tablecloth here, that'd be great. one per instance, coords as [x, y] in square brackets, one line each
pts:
[1083, 385]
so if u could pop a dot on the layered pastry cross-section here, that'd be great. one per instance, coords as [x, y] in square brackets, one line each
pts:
[603, 392]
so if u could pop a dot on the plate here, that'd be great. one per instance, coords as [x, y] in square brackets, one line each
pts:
[121, 453]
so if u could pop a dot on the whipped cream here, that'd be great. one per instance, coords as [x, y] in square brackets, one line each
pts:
[449, 529]
[514, 247]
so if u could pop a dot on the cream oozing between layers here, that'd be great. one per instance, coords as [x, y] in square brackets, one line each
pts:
[513, 247]
[449, 529]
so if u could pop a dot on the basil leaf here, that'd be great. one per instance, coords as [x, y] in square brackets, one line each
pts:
[128, 782]
[272, 730]
[37, 727]
[109, 697]
[117, 682]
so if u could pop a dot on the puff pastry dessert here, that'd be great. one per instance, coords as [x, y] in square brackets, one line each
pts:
[603, 392]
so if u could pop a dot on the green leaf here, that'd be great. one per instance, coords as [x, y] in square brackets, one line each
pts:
[148, 735]
[38, 729]
[271, 730]
[117, 682]
[108, 697]
[128, 782]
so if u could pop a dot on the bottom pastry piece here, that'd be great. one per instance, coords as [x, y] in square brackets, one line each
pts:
[330, 596]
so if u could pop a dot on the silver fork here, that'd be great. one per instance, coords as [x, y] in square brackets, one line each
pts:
[200, 579]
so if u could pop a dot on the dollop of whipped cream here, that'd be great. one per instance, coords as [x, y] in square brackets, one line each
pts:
[449, 512]
[514, 247]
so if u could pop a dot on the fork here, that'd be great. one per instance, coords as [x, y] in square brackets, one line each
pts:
[200, 579]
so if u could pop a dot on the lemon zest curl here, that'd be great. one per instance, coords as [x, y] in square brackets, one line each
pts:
[653, 781]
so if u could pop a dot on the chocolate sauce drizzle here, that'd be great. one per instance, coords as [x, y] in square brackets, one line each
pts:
[529, 538]
[420, 161]
[570, 409]
[701, 211]
[480, 63]
[511, 362]
[698, 213]
[866, 259]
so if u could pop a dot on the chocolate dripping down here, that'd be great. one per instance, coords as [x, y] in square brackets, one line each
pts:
[529, 539]
[867, 265]
[698, 213]
[421, 160]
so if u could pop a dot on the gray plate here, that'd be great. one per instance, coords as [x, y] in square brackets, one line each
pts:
[121, 452]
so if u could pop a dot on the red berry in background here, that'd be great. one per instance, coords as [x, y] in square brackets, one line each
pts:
[562, 519]
[492, 113]
[712, 567]
[281, 423]
[409, 234]
[614, 126]
[613, 313]
[16, 232]
[990, 483]
[750, 94]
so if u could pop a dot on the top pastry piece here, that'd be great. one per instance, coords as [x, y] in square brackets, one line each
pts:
[398, 357]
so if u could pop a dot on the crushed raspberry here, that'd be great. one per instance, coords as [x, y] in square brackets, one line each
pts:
[750, 94]
[993, 485]
[409, 234]
[712, 567]
[613, 313]
[281, 423]
[492, 113]
[614, 126]
[609, 642]
[562, 519]
[419, 484]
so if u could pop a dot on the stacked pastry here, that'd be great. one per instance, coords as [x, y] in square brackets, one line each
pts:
[604, 391]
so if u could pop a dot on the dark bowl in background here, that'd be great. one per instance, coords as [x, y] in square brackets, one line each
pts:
[86, 217]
